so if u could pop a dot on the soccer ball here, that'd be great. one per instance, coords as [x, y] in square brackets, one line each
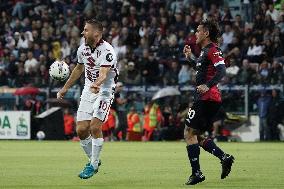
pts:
[40, 135]
[59, 70]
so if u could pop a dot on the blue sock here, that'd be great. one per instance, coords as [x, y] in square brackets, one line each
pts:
[193, 152]
[212, 148]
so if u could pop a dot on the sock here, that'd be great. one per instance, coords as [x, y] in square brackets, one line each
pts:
[212, 148]
[97, 145]
[193, 152]
[87, 146]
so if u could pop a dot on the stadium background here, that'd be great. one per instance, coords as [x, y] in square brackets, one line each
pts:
[148, 37]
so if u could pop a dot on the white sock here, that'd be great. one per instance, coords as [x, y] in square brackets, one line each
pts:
[87, 146]
[97, 145]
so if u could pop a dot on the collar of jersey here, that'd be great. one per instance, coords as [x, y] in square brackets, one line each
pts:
[98, 44]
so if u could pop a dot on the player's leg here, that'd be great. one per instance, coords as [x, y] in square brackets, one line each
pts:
[227, 160]
[193, 123]
[97, 141]
[210, 109]
[193, 152]
[100, 113]
[83, 131]
[84, 116]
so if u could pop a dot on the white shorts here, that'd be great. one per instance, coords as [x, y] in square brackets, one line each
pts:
[94, 105]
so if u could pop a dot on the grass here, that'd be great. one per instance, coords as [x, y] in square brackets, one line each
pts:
[53, 164]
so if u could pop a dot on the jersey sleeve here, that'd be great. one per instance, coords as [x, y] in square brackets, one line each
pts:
[216, 56]
[79, 56]
[108, 59]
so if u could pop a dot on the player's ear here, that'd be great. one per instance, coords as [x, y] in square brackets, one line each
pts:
[207, 33]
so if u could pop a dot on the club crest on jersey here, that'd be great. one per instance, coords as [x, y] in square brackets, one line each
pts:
[218, 53]
[86, 52]
[109, 57]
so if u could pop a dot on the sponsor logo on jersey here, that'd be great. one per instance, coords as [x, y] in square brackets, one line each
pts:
[109, 57]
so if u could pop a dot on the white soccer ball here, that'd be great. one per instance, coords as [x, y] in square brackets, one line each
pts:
[40, 135]
[59, 70]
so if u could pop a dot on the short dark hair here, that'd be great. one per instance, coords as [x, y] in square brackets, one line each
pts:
[96, 24]
[213, 29]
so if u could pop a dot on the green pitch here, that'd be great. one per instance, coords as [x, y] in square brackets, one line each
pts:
[33, 164]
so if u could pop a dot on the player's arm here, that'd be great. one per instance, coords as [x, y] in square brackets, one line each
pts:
[95, 87]
[217, 59]
[220, 73]
[75, 75]
[187, 52]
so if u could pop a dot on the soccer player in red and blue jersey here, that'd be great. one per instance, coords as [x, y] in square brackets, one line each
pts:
[210, 67]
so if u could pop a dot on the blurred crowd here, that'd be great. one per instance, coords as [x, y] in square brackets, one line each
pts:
[148, 36]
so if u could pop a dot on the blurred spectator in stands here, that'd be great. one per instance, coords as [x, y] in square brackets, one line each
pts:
[150, 69]
[69, 124]
[263, 104]
[65, 49]
[134, 131]
[264, 72]
[276, 73]
[120, 101]
[246, 74]
[254, 53]
[274, 116]
[171, 75]
[21, 78]
[31, 64]
[132, 75]
[268, 22]
[184, 75]
[56, 50]
[272, 12]
[42, 77]
[232, 71]
[247, 8]
[278, 49]
[3, 77]
[226, 17]
[227, 36]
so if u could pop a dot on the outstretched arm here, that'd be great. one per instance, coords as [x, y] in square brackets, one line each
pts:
[75, 75]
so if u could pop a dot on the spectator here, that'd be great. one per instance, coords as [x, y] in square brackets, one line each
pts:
[120, 107]
[132, 75]
[3, 78]
[31, 64]
[274, 115]
[263, 104]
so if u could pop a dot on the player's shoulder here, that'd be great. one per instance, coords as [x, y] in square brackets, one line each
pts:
[107, 47]
[82, 47]
[213, 49]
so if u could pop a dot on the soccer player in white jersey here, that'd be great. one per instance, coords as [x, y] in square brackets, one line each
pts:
[99, 61]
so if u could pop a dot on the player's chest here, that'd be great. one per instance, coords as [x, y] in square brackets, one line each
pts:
[92, 60]
[202, 61]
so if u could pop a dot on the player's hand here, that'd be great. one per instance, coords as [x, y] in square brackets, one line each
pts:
[94, 88]
[202, 89]
[187, 51]
[61, 93]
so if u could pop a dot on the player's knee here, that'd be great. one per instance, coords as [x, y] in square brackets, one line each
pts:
[188, 133]
[95, 129]
[200, 139]
[82, 131]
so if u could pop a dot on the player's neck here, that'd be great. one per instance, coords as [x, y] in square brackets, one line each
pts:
[94, 45]
[205, 43]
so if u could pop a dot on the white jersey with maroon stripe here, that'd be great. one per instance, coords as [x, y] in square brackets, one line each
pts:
[102, 56]
[97, 105]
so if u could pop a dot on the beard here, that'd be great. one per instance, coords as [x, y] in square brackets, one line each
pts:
[89, 41]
